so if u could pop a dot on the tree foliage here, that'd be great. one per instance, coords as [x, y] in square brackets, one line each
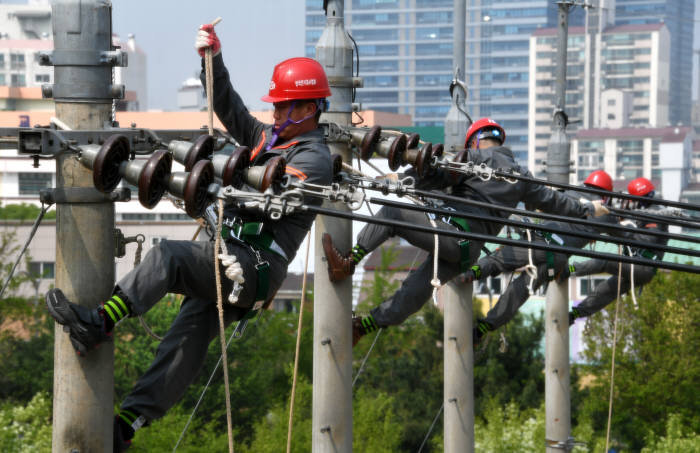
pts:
[23, 212]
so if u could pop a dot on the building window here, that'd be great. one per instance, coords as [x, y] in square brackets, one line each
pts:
[611, 116]
[2, 79]
[17, 80]
[2, 60]
[17, 61]
[32, 183]
[588, 284]
[175, 217]
[611, 102]
[42, 78]
[135, 216]
[155, 240]
[42, 269]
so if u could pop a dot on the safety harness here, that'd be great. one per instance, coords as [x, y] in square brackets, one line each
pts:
[550, 238]
[462, 225]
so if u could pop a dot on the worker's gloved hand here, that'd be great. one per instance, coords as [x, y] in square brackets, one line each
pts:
[599, 208]
[206, 37]
[233, 271]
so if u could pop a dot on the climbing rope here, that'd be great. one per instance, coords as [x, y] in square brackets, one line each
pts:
[430, 430]
[201, 396]
[298, 345]
[362, 365]
[614, 346]
[44, 209]
[220, 308]
[137, 260]
[530, 268]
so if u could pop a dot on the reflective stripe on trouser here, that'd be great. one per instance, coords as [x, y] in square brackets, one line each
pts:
[416, 289]
[187, 268]
[606, 291]
[372, 236]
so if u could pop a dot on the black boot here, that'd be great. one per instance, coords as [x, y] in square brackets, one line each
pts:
[122, 434]
[86, 326]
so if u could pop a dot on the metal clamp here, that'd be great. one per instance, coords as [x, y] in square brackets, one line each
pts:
[347, 193]
[271, 204]
[566, 445]
[120, 243]
[386, 186]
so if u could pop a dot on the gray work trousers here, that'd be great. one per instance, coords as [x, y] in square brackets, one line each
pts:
[186, 267]
[416, 289]
[508, 259]
[606, 291]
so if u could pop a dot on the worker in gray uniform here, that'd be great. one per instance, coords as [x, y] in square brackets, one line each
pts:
[484, 140]
[263, 248]
[606, 292]
[548, 265]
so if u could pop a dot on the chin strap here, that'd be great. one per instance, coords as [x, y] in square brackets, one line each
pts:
[277, 130]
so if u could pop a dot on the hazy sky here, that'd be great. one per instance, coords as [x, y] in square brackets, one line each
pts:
[255, 35]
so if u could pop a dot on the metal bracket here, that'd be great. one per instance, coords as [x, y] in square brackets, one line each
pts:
[275, 206]
[566, 445]
[50, 142]
[349, 194]
[82, 195]
[120, 242]
[83, 58]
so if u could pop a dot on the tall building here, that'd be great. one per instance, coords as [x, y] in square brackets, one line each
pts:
[678, 15]
[26, 31]
[627, 85]
[405, 57]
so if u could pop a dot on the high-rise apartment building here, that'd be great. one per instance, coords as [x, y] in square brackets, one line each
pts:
[678, 15]
[405, 50]
[626, 84]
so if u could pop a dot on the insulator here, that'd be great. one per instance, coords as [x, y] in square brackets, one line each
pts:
[412, 141]
[365, 139]
[461, 156]
[188, 153]
[393, 148]
[150, 176]
[438, 150]
[420, 158]
[261, 177]
[105, 160]
[229, 168]
[193, 187]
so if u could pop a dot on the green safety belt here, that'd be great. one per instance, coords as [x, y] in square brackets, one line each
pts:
[550, 255]
[463, 244]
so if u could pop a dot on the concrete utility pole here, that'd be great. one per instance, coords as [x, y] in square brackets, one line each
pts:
[557, 386]
[458, 381]
[332, 373]
[83, 90]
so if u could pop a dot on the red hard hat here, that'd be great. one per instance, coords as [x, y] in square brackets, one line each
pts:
[599, 179]
[298, 78]
[640, 187]
[485, 123]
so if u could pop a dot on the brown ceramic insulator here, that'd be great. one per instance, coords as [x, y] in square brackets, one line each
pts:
[369, 141]
[105, 169]
[438, 150]
[413, 140]
[233, 174]
[274, 173]
[337, 164]
[396, 152]
[153, 178]
[195, 193]
[203, 149]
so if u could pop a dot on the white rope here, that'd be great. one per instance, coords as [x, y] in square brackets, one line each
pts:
[369, 351]
[530, 268]
[298, 346]
[634, 297]
[614, 347]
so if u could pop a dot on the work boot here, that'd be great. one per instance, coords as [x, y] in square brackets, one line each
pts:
[339, 267]
[86, 326]
[361, 327]
[122, 435]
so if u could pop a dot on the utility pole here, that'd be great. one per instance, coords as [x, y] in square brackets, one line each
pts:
[82, 58]
[332, 370]
[556, 384]
[458, 381]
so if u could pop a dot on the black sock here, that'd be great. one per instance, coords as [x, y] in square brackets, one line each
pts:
[126, 419]
[358, 252]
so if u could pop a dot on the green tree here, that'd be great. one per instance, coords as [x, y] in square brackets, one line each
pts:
[23, 212]
[656, 370]
[26, 428]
